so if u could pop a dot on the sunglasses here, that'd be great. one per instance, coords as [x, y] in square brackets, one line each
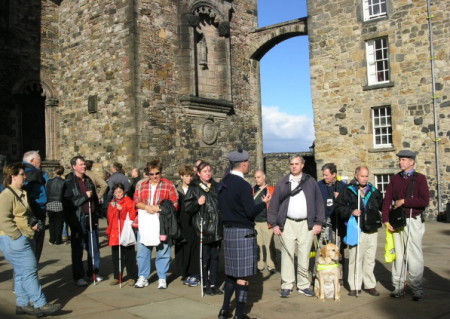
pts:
[154, 174]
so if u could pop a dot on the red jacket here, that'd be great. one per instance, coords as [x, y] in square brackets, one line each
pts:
[113, 218]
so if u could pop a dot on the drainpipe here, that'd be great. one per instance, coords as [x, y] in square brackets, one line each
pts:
[434, 98]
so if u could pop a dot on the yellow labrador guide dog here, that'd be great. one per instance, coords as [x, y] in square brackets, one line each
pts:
[326, 284]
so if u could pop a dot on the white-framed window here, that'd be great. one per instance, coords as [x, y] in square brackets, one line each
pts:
[377, 54]
[382, 127]
[374, 9]
[382, 182]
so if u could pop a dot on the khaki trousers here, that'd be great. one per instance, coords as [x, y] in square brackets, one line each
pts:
[366, 263]
[296, 240]
[265, 239]
[415, 256]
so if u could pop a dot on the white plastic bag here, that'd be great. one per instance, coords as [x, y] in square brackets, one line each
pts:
[127, 237]
[148, 228]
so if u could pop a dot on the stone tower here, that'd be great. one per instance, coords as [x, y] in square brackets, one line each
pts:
[375, 91]
[130, 81]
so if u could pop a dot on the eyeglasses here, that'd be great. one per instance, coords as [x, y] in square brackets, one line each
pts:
[154, 174]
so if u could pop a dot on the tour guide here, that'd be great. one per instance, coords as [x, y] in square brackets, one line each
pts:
[238, 212]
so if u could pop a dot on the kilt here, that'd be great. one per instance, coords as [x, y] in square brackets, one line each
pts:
[241, 254]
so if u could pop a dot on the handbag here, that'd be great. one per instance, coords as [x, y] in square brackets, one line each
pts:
[127, 237]
[397, 218]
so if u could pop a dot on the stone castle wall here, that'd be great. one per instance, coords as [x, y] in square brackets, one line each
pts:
[137, 65]
[343, 102]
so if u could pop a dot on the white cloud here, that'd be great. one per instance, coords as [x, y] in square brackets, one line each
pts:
[284, 132]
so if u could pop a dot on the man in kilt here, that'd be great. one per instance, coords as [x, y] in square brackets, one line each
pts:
[238, 212]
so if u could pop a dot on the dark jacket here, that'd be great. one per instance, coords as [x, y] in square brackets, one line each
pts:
[35, 188]
[74, 200]
[209, 212]
[55, 189]
[370, 206]
[279, 203]
[168, 222]
[262, 217]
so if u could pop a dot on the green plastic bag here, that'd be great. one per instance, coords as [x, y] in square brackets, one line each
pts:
[389, 247]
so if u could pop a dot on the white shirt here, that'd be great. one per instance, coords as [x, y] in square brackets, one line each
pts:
[297, 203]
[237, 173]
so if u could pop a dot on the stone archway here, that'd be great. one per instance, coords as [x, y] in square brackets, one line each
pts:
[35, 101]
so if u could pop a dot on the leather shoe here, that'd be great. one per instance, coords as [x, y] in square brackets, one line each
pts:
[352, 293]
[243, 317]
[373, 292]
[417, 298]
[396, 294]
[225, 314]
[49, 308]
[27, 310]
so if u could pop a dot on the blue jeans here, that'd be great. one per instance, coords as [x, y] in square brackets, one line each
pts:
[26, 284]
[144, 256]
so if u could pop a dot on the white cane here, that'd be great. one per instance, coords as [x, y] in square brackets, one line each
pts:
[120, 253]
[357, 247]
[94, 279]
[201, 254]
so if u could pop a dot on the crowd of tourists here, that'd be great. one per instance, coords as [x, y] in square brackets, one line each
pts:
[202, 216]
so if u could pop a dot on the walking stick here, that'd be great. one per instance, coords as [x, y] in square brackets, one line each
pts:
[357, 247]
[201, 254]
[120, 254]
[94, 279]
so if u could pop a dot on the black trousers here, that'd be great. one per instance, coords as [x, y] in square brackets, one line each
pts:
[55, 226]
[128, 260]
[210, 261]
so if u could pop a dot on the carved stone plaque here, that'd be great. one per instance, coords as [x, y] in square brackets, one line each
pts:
[209, 132]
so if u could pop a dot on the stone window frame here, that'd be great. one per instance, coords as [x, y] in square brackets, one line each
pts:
[378, 62]
[367, 5]
[382, 126]
[382, 181]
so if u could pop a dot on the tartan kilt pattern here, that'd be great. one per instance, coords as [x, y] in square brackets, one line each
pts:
[241, 254]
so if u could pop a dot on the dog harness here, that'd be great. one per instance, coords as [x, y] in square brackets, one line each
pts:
[326, 266]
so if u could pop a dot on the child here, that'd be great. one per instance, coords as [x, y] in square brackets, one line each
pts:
[118, 208]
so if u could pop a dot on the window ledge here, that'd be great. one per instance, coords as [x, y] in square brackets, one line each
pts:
[380, 18]
[378, 86]
[204, 105]
[382, 149]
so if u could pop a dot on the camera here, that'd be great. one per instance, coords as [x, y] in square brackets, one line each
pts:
[32, 221]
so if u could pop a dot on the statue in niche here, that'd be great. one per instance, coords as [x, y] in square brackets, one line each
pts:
[202, 53]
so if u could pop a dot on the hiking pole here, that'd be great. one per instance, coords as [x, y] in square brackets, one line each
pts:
[94, 279]
[201, 254]
[120, 253]
[357, 247]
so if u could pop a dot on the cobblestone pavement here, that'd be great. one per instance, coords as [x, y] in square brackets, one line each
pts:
[178, 301]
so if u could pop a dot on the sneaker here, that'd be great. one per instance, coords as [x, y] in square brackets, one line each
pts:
[48, 309]
[99, 278]
[194, 282]
[141, 283]
[352, 293]
[307, 292]
[187, 280]
[285, 293]
[225, 314]
[162, 284]
[272, 271]
[81, 283]
[417, 297]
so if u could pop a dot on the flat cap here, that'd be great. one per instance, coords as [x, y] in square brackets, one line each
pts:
[407, 154]
[238, 156]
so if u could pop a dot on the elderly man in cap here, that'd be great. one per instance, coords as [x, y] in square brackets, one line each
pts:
[238, 211]
[407, 189]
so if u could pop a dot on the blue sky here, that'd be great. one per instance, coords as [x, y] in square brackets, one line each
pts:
[285, 83]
